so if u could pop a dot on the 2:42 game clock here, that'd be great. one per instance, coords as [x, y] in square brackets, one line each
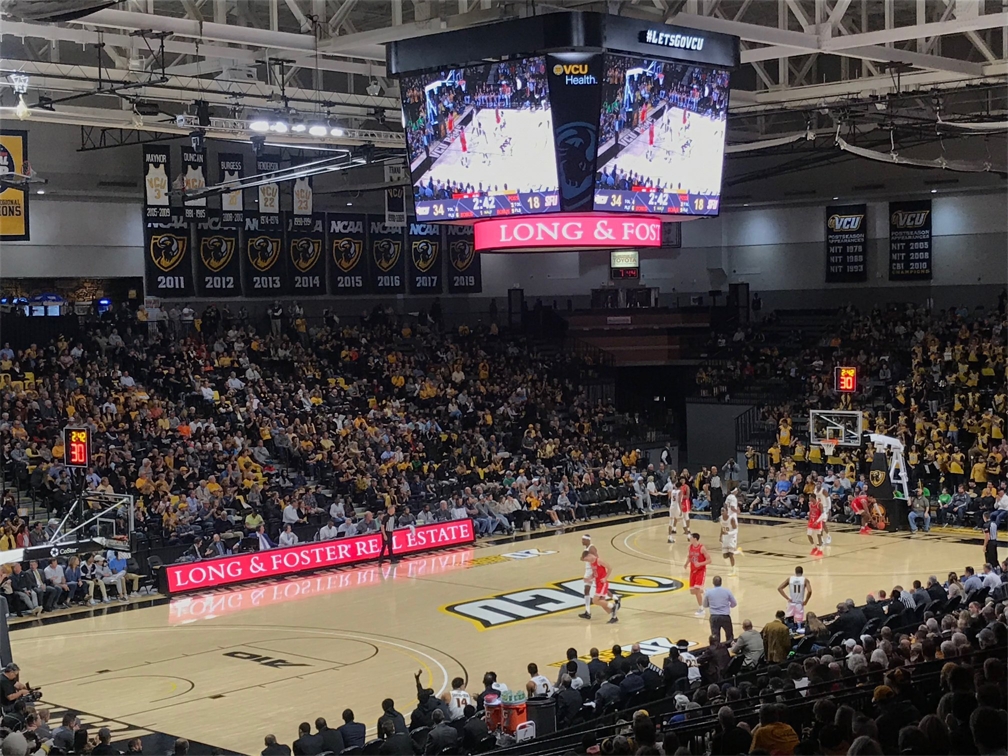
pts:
[77, 447]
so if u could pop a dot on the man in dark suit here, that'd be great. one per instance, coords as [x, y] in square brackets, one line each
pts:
[331, 739]
[652, 680]
[307, 744]
[568, 703]
[442, 736]
[635, 656]
[618, 665]
[275, 749]
[396, 743]
[608, 694]
[936, 589]
[873, 609]
[596, 667]
[389, 713]
[353, 733]
[474, 729]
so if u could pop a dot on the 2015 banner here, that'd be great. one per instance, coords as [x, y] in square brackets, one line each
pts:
[424, 243]
[167, 260]
[465, 273]
[305, 252]
[348, 256]
[218, 262]
[910, 241]
[388, 266]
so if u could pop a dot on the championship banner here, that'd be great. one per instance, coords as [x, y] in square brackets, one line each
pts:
[846, 234]
[269, 194]
[388, 263]
[347, 248]
[465, 274]
[910, 241]
[303, 204]
[193, 163]
[264, 271]
[157, 169]
[306, 254]
[167, 263]
[231, 167]
[423, 262]
[14, 225]
[218, 263]
[395, 196]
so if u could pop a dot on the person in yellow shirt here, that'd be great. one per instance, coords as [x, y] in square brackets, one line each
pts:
[774, 452]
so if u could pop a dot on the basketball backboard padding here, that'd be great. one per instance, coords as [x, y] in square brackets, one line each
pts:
[843, 425]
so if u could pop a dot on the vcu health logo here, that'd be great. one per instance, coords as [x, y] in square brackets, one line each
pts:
[515, 606]
[575, 74]
[845, 222]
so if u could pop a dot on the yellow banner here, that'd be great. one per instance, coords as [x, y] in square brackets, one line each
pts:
[13, 201]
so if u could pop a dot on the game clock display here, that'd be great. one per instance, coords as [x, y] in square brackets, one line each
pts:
[77, 447]
[491, 204]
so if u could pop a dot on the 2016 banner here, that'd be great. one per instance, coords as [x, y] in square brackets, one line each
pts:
[231, 167]
[424, 244]
[264, 269]
[167, 261]
[193, 163]
[305, 253]
[910, 241]
[14, 225]
[846, 249]
[157, 169]
[269, 194]
[348, 254]
[218, 262]
[465, 274]
[388, 266]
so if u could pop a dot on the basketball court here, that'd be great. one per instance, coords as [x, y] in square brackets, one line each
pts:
[227, 667]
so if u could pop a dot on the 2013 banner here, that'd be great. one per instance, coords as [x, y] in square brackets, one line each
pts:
[348, 254]
[264, 268]
[218, 262]
[910, 241]
[465, 273]
[167, 260]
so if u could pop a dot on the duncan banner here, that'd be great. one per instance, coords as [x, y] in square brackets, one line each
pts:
[269, 194]
[167, 263]
[388, 264]
[218, 264]
[846, 253]
[157, 169]
[264, 268]
[193, 163]
[318, 555]
[465, 274]
[231, 167]
[306, 253]
[14, 224]
[347, 246]
[910, 241]
[424, 244]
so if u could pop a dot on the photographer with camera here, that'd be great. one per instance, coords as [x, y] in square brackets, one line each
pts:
[14, 694]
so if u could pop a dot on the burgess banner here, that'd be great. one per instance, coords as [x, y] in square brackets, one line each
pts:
[231, 167]
[388, 266]
[465, 275]
[424, 243]
[317, 555]
[846, 252]
[910, 241]
[347, 245]
[305, 244]
[218, 264]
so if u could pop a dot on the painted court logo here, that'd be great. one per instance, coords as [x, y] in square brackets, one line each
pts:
[515, 606]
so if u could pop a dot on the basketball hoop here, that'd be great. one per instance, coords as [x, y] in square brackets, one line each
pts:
[829, 446]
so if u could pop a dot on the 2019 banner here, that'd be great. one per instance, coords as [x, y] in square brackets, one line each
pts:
[465, 272]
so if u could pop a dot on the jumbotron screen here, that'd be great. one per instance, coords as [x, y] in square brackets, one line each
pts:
[661, 137]
[480, 141]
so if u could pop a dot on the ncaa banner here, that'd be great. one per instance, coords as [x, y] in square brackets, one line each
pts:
[157, 169]
[846, 250]
[303, 204]
[465, 274]
[193, 163]
[218, 263]
[388, 258]
[231, 167]
[347, 246]
[269, 194]
[423, 261]
[167, 261]
[575, 90]
[306, 254]
[14, 224]
[263, 265]
[910, 241]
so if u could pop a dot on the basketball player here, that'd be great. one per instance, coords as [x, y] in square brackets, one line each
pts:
[799, 593]
[861, 506]
[814, 530]
[459, 699]
[676, 511]
[465, 147]
[601, 594]
[825, 504]
[729, 536]
[589, 575]
[697, 561]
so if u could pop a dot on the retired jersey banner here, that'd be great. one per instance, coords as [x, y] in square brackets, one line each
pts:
[423, 262]
[194, 165]
[14, 225]
[910, 241]
[348, 255]
[306, 255]
[269, 194]
[167, 261]
[388, 258]
[231, 167]
[157, 169]
[303, 203]
[465, 275]
[264, 265]
[218, 263]
[846, 250]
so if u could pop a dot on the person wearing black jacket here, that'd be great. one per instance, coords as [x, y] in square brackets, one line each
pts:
[936, 589]
[331, 739]
[873, 609]
[389, 714]
[441, 736]
[396, 743]
[652, 680]
[473, 730]
[618, 665]
[307, 744]
[674, 670]
[596, 667]
[568, 703]
[353, 733]
[730, 738]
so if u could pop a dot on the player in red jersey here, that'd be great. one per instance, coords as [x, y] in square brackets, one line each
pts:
[462, 140]
[650, 135]
[861, 505]
[497, 115]
[451, 123]
[697, 561]
[601, 593]
[815, 523]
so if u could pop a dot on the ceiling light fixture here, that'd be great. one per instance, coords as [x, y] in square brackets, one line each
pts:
[318, 130]
[299, 128]
[934, 191]
[259, 125]
[279, 127]
[40, 191]
[373, 89]
[336, 131]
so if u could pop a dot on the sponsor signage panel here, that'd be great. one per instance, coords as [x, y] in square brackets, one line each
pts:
[582, 231]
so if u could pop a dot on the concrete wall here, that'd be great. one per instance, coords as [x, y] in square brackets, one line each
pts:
[710, 433]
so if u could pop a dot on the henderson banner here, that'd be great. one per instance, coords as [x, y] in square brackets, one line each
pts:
[14, 223]
[194, 165]
[231, 167]
[157, 169]
[388, 264]
[218, 264]
[910, 241]
[465, 275]
[317, 555]
[167, 263]
[846, 252]
[305, 247]
[264, 266]
[268, 194]
[348, 256]
[423, 261]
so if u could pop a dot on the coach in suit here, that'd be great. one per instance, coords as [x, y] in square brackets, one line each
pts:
[442, 736]
[307, 744]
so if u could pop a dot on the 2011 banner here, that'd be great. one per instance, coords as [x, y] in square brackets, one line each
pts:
[167, 260]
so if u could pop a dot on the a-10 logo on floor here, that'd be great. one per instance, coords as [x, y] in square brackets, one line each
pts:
[515, 606]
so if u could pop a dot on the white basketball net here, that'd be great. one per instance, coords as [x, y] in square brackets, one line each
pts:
[828, 445]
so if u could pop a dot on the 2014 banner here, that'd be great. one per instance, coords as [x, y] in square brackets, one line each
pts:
[306, 253]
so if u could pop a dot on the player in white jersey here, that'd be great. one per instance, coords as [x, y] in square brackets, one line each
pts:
[676, 511]
[731, 502]
[589, 572]
[729, 535]
[823, 494]
[458, 699]
[797, 591]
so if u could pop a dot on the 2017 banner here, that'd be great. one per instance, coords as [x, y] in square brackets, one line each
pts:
[424, 244]
[305, 253]
[465, 273]
[167, 260]
[910, 241]
[846, 249]
[218, 262]
[348, 254]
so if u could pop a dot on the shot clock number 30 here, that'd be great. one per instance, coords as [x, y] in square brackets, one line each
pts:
[77, 447]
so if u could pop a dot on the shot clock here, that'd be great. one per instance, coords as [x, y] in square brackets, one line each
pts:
[845, 379]
[77, 447]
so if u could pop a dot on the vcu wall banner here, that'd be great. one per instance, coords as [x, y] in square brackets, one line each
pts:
[157, 169]
[424, 244]
[269, 194]
[194, 165]
[465, 275]
[910, 241]
[231, 167]
[306, 254]
[14, 225]
[218, 261]
[348, 254]
[388, 260]
[846, 250]
[167, 262]
[264, 264]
